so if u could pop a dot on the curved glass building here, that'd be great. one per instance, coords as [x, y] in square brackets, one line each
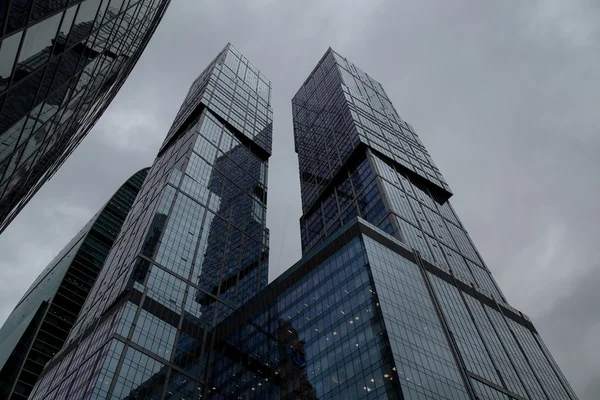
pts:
[42, 319]
[61, 64]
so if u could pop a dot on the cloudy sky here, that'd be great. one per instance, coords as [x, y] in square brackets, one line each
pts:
[504, 94]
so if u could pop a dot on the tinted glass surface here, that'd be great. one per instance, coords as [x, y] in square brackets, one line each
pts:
[193, 248]
[40, 323]
[357, 157]
[60, 66]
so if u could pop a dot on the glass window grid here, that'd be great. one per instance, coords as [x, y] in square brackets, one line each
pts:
[431, 248]
[521, 364]
[30, 161]
[550, 359]
[116, 273]
[541, 367]
[216, 73]
[105, 372]
[486, 392]
[338, 284]
[136, 368]
[367, 203]
[154, 335]
[358, 96]
[82, 266]
[79, 39]
[497, 352]
[470, 344]
[179, 240]
[246, 285]
[422, 354]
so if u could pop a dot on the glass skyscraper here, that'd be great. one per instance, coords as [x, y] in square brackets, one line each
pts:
[391, 299]
[448, 327]
[192, 250]
[38, 326]
[61, 64]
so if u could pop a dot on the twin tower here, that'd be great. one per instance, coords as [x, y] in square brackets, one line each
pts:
[391, 299]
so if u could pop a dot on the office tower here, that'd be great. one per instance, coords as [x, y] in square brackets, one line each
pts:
[391, 299]
[193, 248]
[449, 328]
[341, 117]
[38, 326]
[60, 67]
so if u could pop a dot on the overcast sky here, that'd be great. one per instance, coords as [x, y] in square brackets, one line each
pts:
[504, 94]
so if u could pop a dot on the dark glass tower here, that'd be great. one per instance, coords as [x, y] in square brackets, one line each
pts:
[449, 329]
[60, 66]
[391, 299]
[193, 249]
[346, 132]
[38, 327]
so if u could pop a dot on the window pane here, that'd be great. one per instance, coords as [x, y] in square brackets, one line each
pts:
[43, 8]
[87, 11]
[8, 52]
[17, 18]
[67, 22]
[39, 37]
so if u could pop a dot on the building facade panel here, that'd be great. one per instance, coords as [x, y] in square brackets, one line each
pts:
[364, 316]
[423, 356]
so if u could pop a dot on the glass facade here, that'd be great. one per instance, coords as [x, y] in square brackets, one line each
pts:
[344, 124]
[192, 250]
[450, 329]
[318, 332]
[364, 316]
[391, 299]
[61, 63]
[41, 321]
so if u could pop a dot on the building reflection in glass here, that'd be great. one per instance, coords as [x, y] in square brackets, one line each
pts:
[57, 76]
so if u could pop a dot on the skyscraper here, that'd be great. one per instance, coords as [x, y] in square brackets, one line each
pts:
[192, 250]
[341, 118]
[391, 299]
[60, 67]
[41, 320]
[448, 325]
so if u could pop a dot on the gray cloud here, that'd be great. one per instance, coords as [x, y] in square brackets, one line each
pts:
[504, 94]
[574, 323]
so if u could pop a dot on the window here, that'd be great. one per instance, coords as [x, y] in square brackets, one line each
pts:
[38, 38]
[8, 53]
